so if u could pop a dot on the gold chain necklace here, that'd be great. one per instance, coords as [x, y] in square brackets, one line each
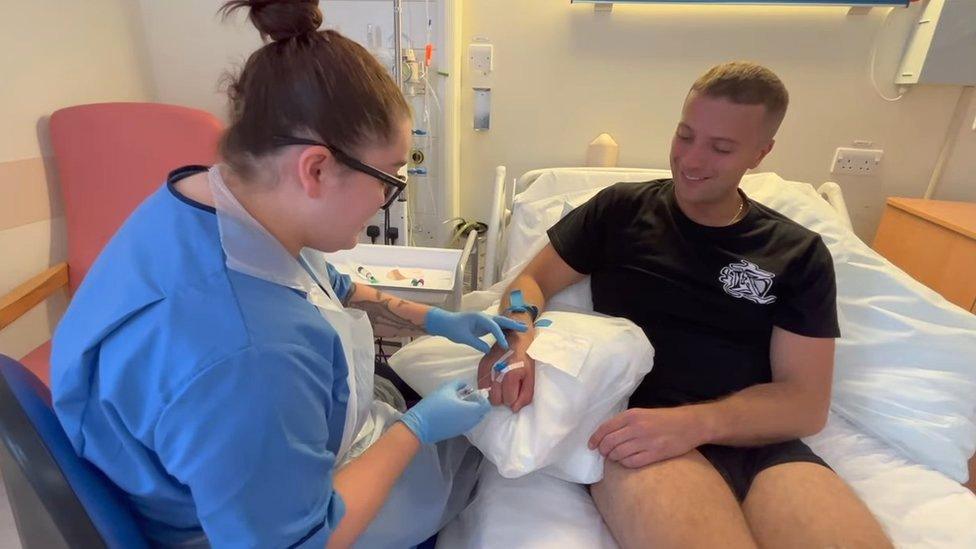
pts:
[742, 204]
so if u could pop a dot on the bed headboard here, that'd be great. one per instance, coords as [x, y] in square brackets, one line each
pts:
[504, 191]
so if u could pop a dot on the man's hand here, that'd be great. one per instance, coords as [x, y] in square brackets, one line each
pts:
[518, 386]
[641, 436]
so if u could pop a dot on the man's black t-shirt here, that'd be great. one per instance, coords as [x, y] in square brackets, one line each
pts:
[707, 297]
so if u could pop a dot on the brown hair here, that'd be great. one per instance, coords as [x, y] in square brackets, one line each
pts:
[747, 83]
[305, 82]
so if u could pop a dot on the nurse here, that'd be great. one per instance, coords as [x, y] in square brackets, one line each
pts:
[221, 376]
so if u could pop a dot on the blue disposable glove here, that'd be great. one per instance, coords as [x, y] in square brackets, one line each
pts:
[467, 328]
[443, 414]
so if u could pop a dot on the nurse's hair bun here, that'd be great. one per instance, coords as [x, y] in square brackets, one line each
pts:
[279, 19]
[307, 82]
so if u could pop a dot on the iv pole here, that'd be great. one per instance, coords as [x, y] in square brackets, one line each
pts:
[397, 25]
[398, 78]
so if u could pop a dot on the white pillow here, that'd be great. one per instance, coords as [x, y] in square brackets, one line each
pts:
[587, 366]
[545, 202]
[905, 366]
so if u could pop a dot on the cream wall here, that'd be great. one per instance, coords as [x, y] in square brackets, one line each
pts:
[564, 73]
[54, 54]
[190, 47]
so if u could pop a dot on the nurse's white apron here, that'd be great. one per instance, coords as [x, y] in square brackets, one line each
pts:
[438, 482]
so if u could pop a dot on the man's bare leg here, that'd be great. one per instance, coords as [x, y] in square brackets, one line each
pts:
[807, 505]
[681, 502]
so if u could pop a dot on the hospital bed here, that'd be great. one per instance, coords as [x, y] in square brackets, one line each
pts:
[902, 422]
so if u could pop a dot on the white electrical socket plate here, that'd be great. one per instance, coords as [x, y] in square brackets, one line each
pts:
[480, 57]
[848, 161]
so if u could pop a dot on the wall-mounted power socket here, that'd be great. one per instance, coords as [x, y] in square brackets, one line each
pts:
[849, 161]
[481, 58]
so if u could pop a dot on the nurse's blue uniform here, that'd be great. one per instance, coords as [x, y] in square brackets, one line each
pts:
[217, 400]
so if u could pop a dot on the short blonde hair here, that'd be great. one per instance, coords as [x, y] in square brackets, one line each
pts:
[746, 83]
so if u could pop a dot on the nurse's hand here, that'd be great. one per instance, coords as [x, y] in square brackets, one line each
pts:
[443, 414]
[468, 328]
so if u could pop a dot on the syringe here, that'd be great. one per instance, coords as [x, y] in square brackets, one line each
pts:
[466, 392]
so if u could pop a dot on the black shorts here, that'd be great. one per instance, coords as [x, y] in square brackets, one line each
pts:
[739, 466]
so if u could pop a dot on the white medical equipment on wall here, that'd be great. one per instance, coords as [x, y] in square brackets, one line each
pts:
[481, 63]
[942, 51]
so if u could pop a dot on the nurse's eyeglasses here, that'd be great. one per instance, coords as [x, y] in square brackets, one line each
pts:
[393, 184]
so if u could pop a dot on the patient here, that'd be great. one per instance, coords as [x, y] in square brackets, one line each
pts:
[740, 304]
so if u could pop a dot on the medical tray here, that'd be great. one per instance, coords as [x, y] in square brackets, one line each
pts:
[443, 267]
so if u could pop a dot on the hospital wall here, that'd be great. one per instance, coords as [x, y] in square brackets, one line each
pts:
[180, 30]
[52, 54]
[564, 73]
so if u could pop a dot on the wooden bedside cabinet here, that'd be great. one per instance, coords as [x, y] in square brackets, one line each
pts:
[934, 241]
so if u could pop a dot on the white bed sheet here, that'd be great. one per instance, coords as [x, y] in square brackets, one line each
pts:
[918, 507]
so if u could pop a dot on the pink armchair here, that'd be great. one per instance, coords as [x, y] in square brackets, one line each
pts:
[110, 157]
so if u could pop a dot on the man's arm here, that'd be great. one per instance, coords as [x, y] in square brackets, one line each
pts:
[793, 405]
[542, 278]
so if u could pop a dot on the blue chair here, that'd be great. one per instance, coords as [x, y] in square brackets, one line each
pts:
[58, 499]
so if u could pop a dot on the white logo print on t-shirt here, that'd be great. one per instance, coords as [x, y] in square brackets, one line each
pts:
[745, 279]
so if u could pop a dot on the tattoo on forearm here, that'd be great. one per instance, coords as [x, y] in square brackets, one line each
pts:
[382, 310]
